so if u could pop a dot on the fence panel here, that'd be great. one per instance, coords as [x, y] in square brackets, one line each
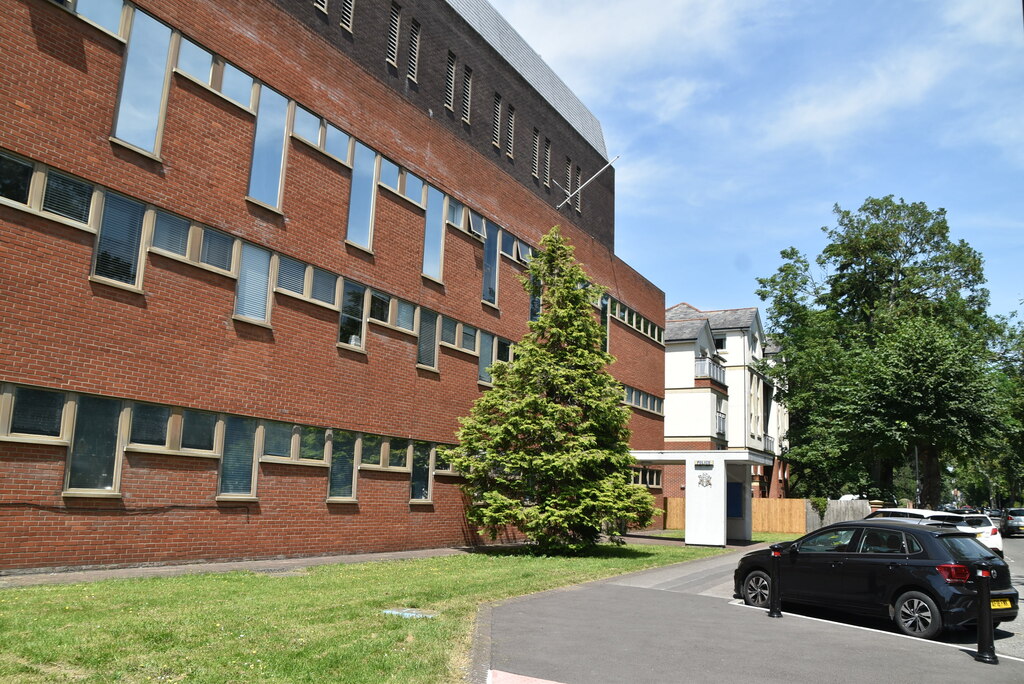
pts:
[779, 515]
[675, 513]
[837, 511]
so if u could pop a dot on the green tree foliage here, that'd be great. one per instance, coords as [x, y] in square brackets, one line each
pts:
[885, 350]
[546, 448]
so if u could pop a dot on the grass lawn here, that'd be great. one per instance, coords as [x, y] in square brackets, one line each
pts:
[322, 625]
[765, 537]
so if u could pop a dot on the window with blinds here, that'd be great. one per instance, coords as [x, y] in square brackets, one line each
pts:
[426, 346]
[149, 424]
[291, 274]
[486, 359]
[37, 412]
[67, 197]
[236, 466]
[343, 460]
[217, 249]
[117, 246]
[394, 25]
[170, 233]
[252, 294]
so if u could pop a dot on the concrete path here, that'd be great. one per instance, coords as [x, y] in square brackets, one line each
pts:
[681, 624]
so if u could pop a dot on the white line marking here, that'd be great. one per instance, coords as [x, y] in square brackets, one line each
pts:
[739, 602]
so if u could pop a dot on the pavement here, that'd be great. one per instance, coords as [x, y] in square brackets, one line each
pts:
[678, 623]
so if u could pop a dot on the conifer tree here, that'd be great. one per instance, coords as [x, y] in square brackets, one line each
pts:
[546, 448]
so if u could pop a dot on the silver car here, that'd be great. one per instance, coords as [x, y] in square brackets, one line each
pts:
[1014, 522]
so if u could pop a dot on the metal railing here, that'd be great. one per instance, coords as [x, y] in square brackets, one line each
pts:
[769, 444]
[719, 423]
[709, 368]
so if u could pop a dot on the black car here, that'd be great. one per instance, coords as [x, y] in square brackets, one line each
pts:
[921, 577]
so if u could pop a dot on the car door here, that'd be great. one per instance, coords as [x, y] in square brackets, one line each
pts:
[812, 570]
[875, 570]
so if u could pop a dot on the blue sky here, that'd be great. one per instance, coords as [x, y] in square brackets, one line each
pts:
[742, 122]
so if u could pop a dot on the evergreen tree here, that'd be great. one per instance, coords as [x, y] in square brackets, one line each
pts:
[546, 448]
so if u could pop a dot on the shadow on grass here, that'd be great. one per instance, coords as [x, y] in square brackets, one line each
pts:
[599, 551]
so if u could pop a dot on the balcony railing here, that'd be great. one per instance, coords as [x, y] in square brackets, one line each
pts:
[719, 423]
[709, 368]
[769, 444]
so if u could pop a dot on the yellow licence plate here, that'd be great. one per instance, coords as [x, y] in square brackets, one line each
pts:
[980, 535]
[1001, 603]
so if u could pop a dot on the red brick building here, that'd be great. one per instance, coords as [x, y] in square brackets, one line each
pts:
[257, 259]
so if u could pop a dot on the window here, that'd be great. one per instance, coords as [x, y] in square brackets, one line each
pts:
[380, 306]
[490, 289]
[347, 7]
[456, 213]
[352, 307]
[433, 234]
[195, 61]
[306, 126]
[405, 315]
[170, 233]
[449, 84]
[419, 483]
[504, 350]
[394, 25]
[103, 13]
[266, 174]
[143, 84]
[149, 424]
[649, 477]
[510, 131]
[547, 163]
[508, 244]
[412, 68]
[486, 359]
[476, 223]
[449, 330]
[323, 286]
[253, 291]
[412, 187]
[830, 541]
[426, 347]
[237, 464]
[308, 282]
[496, 122]
[15, 178]
[37, 412]
[294, 442]
[398, 452]
[343, 460]
[535, 299]
[362, 195]
[389, 174]
[217, 249]
[337, 143]
[370, 448]
[467, 92]
[119, 240]
[198, 430]
[277, 439]
[535, 155]
[237, 85]
[213, 72]
[468, 341]
[93, 459]
[67, 197]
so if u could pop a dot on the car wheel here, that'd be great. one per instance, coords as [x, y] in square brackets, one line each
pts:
[917, 615]
[757, 589]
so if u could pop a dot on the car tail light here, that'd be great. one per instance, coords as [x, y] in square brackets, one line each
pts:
[994, 531]
[1009, 517]
[954, 573]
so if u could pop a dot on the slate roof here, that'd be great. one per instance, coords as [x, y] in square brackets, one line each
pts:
[493, 28]
[722, 319]
[680, 331]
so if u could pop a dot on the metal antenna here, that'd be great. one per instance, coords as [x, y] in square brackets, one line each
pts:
[569, 195]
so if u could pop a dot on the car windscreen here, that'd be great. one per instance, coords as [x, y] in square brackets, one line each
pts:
[964, 548]
[977, 521]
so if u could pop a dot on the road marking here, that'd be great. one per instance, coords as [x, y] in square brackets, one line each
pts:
[739, 602]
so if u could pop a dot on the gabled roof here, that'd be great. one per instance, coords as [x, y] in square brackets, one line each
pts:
[721, 319]
[493, 28]
[684, 331]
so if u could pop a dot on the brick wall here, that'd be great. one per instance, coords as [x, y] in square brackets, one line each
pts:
[177, 343]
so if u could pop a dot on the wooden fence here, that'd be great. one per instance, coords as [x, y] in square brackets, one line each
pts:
[675, 513]
[788, 516]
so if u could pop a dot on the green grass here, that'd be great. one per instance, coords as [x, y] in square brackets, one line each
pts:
[322, 625]
[760, 537]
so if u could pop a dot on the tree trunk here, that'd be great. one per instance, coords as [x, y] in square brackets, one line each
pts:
[931, 485]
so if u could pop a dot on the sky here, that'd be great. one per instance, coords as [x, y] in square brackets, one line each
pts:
[742, 123]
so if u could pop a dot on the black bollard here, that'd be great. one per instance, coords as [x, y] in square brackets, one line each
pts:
[986, 640]
[775, 590]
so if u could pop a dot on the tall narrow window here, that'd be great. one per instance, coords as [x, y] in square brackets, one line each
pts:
[491, 240]
[93, 457]
[568, 177]
[510, 131]
[535, 299]
[467, 93]
[576, 189]
[426, 348]
[419, 483]
[253, 293]
[412, 68]
[486, 359]
[320, 5]
[496, 122]
[236, 468]
[347, 12]
[361, 198]
[449, 83]
[343, 459]
[433, 234]
[352, 308]
[143, 85]
[535, 155]
[547, 162]
[117, 246]
[394, 25]
[269, 148]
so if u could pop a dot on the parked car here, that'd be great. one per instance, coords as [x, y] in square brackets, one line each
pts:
[997, 516]
[975, 523]
[1014, 522]
[923, 577]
